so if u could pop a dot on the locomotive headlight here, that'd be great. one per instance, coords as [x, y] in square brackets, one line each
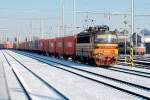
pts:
[101, 51]
[96, 56]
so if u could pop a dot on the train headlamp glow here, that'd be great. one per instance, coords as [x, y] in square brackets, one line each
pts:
[101, 51]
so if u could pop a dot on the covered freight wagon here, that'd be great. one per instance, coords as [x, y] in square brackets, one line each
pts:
[36, 45]
[52, 46]
[7, 45]
[41, 45]
[33, 46]
[1, 46]
[69, 46]
[46, 46]
[59, 47]
[15, 45]
[25, 45]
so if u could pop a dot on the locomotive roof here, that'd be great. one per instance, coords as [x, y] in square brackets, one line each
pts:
[102, 29]
[95, 32]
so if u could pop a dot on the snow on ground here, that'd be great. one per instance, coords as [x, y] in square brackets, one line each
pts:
[14, 87]
[37, 90]
[3, 84]
[133, 68]
[114, 74]
[137, 90]
[72, 85]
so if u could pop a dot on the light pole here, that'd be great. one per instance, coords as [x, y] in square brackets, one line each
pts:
[31, 38]
[132, 31]
[74, 16]
[62, 16]
[132, 17]
[125, 33]
[41, 29]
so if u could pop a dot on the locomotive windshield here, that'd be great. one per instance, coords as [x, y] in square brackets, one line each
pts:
[106, 38]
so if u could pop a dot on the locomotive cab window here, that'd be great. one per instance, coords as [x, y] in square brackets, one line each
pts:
[83, 39]
[106, 38]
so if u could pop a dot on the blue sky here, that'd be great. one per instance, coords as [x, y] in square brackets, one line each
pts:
[16, 16]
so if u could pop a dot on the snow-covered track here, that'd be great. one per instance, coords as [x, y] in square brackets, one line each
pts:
[18, 79]
[131, 71]
[63, 97]
[140, 63]
[125, 85]
[122, 69]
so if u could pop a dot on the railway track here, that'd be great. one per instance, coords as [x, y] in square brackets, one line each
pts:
[130, 88]
[143, 64]
[131, 71]
[18, 79]
[139, 61]
[122, 70]
[63, 97]
[6, 83]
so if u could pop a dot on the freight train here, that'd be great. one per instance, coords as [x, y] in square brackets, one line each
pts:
[6, 45]
[95, 45]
